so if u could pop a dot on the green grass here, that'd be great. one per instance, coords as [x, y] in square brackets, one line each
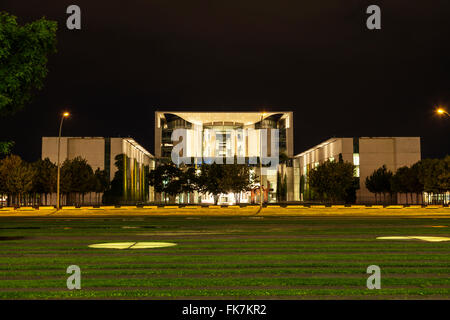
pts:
[224, 257]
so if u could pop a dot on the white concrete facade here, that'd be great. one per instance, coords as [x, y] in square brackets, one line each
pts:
[366, 153]
[241, 131]
[100, 153]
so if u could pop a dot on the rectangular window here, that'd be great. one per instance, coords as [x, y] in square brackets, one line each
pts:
[356, 173]
[356, 159]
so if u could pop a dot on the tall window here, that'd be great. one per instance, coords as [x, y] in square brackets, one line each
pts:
[356, 163]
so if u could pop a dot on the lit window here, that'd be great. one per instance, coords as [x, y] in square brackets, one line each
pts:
[356, 159]
[356, 173]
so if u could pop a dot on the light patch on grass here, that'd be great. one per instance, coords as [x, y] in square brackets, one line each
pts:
[131, 245]
[430, 239]
[184, 233]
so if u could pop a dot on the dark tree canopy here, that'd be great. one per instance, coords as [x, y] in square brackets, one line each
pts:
[334, 181]
[379, 182]
[24, 52]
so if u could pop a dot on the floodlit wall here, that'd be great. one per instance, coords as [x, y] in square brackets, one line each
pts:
[366, 153]
[394, 152]
[100, 153]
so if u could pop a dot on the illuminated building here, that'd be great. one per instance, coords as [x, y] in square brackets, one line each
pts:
[226, 134]
[366, 153]
[101, 153]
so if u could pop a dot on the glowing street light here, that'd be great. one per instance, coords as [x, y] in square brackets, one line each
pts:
[58, 177]
[442, 111]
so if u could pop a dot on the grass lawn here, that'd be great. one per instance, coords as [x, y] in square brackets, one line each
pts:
[224, 257]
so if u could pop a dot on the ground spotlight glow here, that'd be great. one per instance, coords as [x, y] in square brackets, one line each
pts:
[131, 245]
[430, 239]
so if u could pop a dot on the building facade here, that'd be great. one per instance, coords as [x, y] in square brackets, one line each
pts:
[227, 135]
[366, 153]
[100, 153]
[247, 135]
[222, 134]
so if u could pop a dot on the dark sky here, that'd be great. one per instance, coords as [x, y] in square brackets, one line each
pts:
[316, 58]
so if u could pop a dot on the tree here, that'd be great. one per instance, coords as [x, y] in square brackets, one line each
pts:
[444, 174]
[332, 180]
[116, 192]
[400, 181]
[3, 189]
[281, 187]
[5, 147]
[429, 171]
[211, 180]
[17, 177]
[188, 181]
[24, 52]
[434, 175]
[76, 179]
[237, 178]
[101, 182]
[379, 182]
[166, 180]
[302, 185]
[44, 182]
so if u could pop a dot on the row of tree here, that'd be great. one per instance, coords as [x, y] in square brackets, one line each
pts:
[333, 181]
[215, 179]
[427, 175]
[30, 183]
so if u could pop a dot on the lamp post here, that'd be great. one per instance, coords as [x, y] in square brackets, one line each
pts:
[261, 198]
[442, 111]
[58, 176]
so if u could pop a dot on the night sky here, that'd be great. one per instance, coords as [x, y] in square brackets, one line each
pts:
[316, 58]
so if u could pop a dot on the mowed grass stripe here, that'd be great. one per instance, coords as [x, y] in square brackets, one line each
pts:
[207, 242]
[198, 253]
[142, 271]
[26, 276]
[239, 293]
[225, 282]
[232, 265]
[445, 258]
[183, 245]
[411, 245]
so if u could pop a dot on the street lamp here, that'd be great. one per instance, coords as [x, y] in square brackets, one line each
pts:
[442, 111]
[64, 115]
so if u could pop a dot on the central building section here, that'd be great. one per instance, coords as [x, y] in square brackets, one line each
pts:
[222, 134]
[244, 135]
